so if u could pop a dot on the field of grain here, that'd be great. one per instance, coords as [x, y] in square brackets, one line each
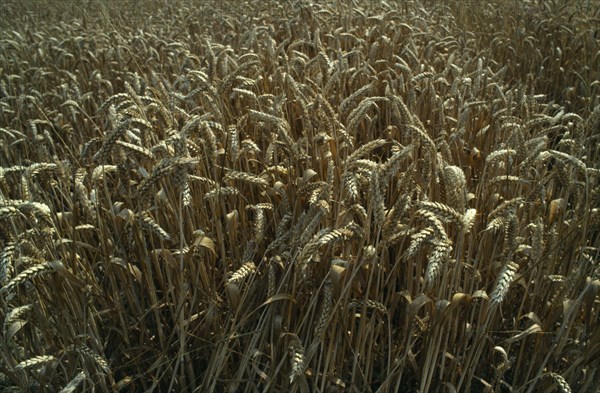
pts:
[295, 196]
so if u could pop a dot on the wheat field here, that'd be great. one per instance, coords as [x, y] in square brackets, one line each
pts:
[295, 196]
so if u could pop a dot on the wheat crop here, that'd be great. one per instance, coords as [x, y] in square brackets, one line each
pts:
[295, 196]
